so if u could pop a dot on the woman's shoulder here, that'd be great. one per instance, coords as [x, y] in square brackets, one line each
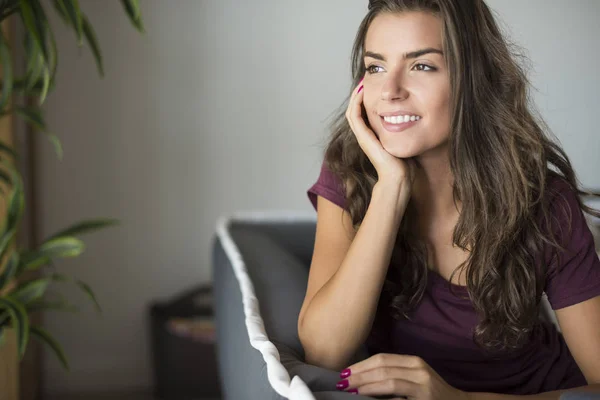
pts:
[562, 199]
[558, 185]
[329, 186]
[557, 206]
[573, 273]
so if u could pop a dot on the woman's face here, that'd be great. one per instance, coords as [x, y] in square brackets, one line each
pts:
[417, 85]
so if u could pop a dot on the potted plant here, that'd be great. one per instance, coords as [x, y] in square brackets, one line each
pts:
[24, 275]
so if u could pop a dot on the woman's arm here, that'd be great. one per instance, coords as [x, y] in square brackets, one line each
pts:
[580, 326]
[341, 300]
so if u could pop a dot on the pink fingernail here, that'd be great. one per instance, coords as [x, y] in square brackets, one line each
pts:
[353, 391]
[343, 384]
[361, 88]
[345, 373]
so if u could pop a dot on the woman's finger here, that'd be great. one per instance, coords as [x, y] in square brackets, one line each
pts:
[390, 387]
[356, 112]
[356, 90]
[415, 375]
[382, 360]
[350, 111]
[364, 135]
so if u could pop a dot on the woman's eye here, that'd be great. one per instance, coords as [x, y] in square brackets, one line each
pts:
[424, 66]
[370, 69]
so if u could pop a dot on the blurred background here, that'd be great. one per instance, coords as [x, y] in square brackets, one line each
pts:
[222, 106]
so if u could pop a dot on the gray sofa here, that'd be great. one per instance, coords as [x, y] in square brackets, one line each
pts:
[276, 255]
[260, 271]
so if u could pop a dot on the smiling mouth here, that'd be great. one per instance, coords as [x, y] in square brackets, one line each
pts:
[400, 123]
[402, 119]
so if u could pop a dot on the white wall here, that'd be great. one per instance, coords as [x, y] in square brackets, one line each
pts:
[220, 107]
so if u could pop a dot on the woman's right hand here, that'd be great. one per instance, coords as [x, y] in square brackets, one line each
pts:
[389, 168]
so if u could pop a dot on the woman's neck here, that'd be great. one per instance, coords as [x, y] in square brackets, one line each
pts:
[432, 192]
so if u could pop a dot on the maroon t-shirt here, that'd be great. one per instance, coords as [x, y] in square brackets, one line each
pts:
[441, 327]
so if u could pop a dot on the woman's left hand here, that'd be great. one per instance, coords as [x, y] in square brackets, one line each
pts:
[397, 375]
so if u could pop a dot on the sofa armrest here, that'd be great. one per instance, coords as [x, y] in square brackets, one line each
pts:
[278, 278]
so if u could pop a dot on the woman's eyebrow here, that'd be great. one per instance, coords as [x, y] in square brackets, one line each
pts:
[412, 54]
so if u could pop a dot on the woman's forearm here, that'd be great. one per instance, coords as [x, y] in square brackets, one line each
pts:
[340, 315]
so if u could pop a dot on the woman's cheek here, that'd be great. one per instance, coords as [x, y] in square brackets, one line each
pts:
[372, 118]
[369, 109]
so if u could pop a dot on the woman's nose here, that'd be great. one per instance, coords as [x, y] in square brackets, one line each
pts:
[393, 89]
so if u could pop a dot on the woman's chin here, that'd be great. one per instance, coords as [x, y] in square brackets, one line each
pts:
[400, 151]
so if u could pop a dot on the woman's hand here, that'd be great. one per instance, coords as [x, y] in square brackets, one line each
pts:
[388, 166]
[397, 375]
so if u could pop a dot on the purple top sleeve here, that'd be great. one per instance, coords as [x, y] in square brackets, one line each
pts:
[577, 277]
[329, 187]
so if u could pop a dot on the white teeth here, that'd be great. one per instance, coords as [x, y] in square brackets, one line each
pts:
[401, 119]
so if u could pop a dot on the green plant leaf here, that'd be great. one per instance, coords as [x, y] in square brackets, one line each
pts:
[45, 85]
[57, 145]
[31, 19]
[36, 87]
[7, 8]
[90, 37]
[9, 150]
[43, 335]
[16, 204]
[5, 177]
[10, 269]
[62, 247]
[15, 209]
[60, 278]
[74, 14]
[7, 76]
[38, 64]
[132, 9]
[85, 227]
[60, 7]
[31, 290]
[82, 285]
[42, 25]
[7, 239]
[50, 306]
[51, 53]
[19, 321]
[53, 64]
[35, 62]
[32, 260]
[35, 118]
[88, 290]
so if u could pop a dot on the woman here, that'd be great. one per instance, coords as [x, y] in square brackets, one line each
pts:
[441, 223]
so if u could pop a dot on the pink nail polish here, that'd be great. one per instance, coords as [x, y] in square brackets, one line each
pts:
[361, 88]
[353, 391]
[343, 384]
[345, 373]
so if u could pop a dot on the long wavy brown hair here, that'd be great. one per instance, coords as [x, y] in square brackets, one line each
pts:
[505, 212]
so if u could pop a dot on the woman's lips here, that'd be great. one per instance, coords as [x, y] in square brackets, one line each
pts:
[398, 127]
